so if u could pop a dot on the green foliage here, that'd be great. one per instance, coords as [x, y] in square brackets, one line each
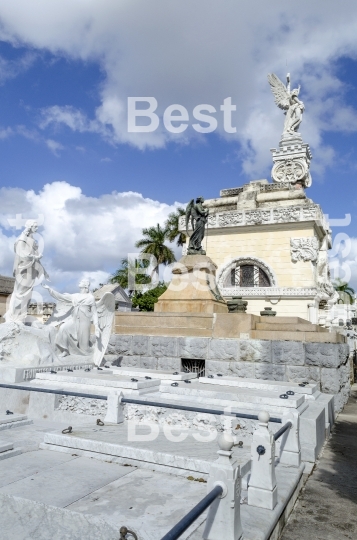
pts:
[145, 301]
[129, 268]
[345, 292]
[153, 243]
[172, 226]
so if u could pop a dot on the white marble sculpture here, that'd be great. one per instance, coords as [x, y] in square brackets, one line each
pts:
[287, 100]
[27, 269]
[73, 316]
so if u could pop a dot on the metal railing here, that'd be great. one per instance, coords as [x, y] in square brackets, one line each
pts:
[139, 402]
[282, 430]
[195, 513]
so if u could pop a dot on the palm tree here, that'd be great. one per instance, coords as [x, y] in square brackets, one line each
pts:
[346, 293]
[172, 226]
[128, 274]
[153, 244]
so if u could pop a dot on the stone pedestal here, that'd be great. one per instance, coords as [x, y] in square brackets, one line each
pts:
[292, 161]
[193, 288]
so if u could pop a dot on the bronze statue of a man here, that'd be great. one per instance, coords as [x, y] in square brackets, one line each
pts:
[198, 216]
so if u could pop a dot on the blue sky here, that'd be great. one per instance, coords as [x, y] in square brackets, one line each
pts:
[67, 68]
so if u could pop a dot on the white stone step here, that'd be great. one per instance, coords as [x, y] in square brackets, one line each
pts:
[4, 447]
[7, 450]
[10, 421]
[153, 373]
[255, 384]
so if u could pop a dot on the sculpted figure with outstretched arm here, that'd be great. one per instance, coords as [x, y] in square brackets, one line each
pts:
[74, 315]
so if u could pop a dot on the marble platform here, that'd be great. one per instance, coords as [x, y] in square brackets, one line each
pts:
[100, 380]
[163, 375]
[147, 447]
[17, 374]
[309, 390]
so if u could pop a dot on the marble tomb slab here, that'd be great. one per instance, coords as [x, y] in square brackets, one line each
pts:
[274, 386]
[226, 393]
[188, 454]
[153, 373]
[67, 482]
[103, 380]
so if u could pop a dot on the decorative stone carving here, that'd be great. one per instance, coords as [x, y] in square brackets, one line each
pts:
[232, 192]
[310, 212]
[304, 249]
[256, 217]
[292, 160]
[279, 214]
[289, 213]
[230, 218]
[276, 187]
[287, 100]
[74, 315]
[212, 220]
[289, 171]
[27, 268]
[269, 292]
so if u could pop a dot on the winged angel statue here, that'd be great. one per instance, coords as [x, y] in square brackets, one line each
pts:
[287, 100]
[198, 216]
[73, 317]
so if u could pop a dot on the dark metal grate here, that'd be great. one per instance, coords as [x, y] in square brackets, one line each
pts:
[247, 275]
[194, 366]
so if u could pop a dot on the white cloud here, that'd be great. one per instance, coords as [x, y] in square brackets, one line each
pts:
[82, 236]
[198, 52]
[9, 69]
[54, 146]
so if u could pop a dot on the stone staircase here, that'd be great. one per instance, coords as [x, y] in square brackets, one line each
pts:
[223, 325]
[293, 329]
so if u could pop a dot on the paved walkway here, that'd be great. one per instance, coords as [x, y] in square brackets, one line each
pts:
[327, 507]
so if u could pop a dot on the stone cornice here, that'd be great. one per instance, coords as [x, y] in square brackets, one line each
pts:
[263, 216]
[260, 292]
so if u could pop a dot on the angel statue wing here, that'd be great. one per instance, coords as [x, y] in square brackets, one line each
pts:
[189, 212]
[105, 310]
[280, 91]
[60, 313]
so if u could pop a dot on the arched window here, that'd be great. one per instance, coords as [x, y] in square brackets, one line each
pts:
[247, 275]
[246, 272]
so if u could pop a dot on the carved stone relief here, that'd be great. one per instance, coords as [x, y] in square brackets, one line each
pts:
[230, 218]
[304, 249]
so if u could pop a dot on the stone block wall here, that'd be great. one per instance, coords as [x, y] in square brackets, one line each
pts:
[327, 364]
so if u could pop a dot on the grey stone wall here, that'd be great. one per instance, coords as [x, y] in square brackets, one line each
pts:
[327, 364]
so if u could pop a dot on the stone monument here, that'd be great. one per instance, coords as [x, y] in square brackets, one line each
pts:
[193, 287]
[269, 240]
[66, 337]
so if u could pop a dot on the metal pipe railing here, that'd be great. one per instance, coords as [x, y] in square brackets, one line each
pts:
[282, 430]
[196, 409]
[195, 513]
[138, 402]
[52, 391]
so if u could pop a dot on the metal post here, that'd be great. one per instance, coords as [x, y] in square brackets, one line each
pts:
[290, 452]
[262, 489]
[223, 519]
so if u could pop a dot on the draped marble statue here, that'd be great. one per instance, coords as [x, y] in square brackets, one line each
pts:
[287, 100]
[27, 269]
[197, 215]
[73, 316]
